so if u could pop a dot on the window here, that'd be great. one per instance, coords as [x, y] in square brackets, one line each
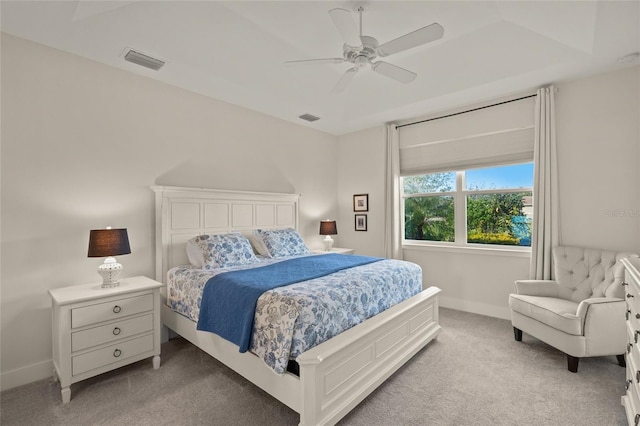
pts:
[476, 206]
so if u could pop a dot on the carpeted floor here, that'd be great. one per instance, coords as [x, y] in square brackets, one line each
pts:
[474, 374]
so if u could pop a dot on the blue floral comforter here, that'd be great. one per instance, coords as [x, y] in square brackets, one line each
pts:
[292, 319]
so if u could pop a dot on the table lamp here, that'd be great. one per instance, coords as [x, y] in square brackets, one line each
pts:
[328, 228]
[108, 243]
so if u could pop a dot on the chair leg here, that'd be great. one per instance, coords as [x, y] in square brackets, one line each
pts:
[517, 334]
[621, 360]
[572, 363]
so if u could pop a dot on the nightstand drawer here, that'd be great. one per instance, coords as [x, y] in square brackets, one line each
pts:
[110, 310]
[108, 333]
[110, 354]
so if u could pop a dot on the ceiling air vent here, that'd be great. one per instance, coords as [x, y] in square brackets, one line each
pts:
[143, 60]
[308, 117]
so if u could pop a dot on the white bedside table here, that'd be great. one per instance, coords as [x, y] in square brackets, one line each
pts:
[97, 329]
[334, 250]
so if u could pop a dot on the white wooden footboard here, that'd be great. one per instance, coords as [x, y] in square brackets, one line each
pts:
[338, 374]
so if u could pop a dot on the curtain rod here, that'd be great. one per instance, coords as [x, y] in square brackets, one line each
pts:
[464, 112]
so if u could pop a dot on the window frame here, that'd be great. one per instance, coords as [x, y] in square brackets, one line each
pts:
[460, 215]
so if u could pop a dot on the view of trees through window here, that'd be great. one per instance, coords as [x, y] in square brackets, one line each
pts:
[497, 203]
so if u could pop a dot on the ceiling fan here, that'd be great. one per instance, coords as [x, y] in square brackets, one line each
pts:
[361, 50]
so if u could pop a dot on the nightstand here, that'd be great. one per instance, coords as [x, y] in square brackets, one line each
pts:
[97, 329]
[335, 250]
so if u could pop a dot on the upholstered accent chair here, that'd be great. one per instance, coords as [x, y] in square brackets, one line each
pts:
[582, 311]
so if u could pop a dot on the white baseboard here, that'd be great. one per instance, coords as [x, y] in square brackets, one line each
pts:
[25, 375]
[480, 308]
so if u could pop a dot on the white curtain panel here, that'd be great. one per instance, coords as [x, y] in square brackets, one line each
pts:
[392, 234]
[545, 233]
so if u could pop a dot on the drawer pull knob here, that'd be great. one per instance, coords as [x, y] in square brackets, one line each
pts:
[638, 376]
[636, 420]
[117, 309]
[117, 331]
[118, 352]
[629, 346]
[637, 316]
[623, 283]
[627, 384]
[629, 296]
[635, 336]
[626, 315]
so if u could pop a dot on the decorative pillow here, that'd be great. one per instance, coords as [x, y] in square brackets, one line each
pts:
[282, 242]
[258, 244]
[221, 251]
[195, 253]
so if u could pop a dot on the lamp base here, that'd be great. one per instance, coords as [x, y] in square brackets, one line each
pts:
[328, 243]
[110, 271]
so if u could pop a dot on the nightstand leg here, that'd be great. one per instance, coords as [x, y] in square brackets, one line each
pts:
[156, 362]
[66, 394]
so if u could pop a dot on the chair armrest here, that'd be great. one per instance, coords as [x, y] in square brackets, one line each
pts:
[546, 288]
[603, 325]
[597, 304]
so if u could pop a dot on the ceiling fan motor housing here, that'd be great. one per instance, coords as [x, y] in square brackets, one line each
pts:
[366, 53]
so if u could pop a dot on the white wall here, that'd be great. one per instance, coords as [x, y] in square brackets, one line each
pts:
[361, 165]
[82, 143]
[598, 132]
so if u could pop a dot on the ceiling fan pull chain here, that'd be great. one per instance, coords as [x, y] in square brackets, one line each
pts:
[361, 9]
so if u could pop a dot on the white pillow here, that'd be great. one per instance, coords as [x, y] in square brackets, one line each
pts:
[258, 244]
[194, 253]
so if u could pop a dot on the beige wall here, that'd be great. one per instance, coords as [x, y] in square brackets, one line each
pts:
[598, 132]
[82, 143]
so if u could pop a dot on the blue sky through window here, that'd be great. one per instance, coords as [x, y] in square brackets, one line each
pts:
[511, 176]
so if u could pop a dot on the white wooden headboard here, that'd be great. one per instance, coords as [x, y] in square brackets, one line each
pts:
[183, 213]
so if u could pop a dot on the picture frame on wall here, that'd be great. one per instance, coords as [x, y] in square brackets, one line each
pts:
[361, 203]
[361, 222]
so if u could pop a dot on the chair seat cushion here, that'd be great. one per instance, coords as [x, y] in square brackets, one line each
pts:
[554, 312]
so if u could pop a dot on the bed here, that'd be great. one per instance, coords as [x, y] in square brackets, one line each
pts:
[333, 376]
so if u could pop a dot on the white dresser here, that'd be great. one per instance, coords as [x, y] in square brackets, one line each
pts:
[97, 329]
[631, 399]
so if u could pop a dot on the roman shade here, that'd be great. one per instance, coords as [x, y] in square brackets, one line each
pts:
[499, 134]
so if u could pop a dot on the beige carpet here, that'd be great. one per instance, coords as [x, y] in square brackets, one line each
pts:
[474, 374]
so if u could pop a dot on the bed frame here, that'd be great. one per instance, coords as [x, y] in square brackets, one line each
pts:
[334, 376]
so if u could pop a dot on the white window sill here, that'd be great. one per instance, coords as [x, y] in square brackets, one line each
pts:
[514, 251]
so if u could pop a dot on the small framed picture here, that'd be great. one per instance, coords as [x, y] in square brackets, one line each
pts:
[361, 222]
[361, 203]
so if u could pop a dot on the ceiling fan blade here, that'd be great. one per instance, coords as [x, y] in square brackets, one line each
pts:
[343, 20]
[413, 39]
[345, 80]
[394, 72]
[316, 61]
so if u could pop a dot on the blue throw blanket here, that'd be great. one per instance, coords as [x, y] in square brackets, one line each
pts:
[229, 299]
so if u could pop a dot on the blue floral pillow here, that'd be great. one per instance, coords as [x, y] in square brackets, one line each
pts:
[224, 250]
[282, 242]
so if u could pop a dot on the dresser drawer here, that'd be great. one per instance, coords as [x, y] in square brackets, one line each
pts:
[93, 314]
[110, 354]
[633, 386]
[108, 333]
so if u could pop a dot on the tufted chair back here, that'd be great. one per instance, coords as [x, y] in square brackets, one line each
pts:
[583, 273]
